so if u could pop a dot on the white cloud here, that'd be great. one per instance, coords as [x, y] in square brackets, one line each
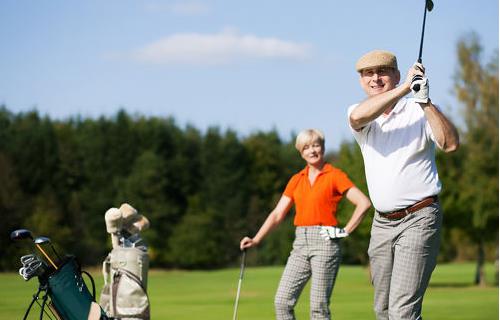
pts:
[185, 8]
[220, 48]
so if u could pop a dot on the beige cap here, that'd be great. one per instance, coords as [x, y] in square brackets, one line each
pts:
[377, 58]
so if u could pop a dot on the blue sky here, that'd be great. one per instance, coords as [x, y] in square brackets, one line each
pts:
[246, 65]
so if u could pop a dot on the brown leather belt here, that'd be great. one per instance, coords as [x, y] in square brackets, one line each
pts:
[395, 215]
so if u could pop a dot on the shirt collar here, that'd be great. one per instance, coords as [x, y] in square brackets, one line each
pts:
[398, 108]
[326, 168]
[400, 105]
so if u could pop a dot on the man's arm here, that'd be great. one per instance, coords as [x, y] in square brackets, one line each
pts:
[371, 108]
[444, 131]
[374, 106]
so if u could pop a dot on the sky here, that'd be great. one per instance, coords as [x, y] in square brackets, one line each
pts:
[248, 66]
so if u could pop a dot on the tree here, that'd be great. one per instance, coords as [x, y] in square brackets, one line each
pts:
[476, 87]
[350, 160]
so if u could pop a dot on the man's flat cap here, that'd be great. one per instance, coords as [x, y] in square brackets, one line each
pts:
[377, 58]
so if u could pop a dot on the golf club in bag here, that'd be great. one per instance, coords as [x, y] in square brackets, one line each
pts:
[65, 293]
[125, 269]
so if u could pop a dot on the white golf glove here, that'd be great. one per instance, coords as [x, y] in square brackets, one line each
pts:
[333, 233]
[420, 88]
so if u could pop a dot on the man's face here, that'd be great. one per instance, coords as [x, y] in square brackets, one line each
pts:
[377, 80]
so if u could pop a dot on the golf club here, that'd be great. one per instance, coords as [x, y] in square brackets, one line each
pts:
[32, 266]
[45, 240]
[429, 5]
[28, 258]
[242, 269]
[22, 234]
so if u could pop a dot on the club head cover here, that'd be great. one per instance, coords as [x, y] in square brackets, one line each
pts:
[138, 226]
[129, 214]
[114, 220]
[115, 240]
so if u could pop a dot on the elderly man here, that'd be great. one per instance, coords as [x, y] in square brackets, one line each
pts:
[397, 136]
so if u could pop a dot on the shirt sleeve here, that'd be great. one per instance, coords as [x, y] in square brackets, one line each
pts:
[428, 130]
[359, 135]
[342, 181]
[291, 185]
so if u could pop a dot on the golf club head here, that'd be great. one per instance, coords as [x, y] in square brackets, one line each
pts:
[42, 240]
[54, 258]
[21, 234]
[32, 269]
[429, 5]
[28, 258]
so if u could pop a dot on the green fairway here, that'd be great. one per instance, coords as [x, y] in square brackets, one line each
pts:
[210, 295]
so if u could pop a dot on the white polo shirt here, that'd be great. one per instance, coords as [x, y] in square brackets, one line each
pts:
[398, 151]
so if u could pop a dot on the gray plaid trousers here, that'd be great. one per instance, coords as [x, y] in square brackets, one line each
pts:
[403, 255]
[311, 257]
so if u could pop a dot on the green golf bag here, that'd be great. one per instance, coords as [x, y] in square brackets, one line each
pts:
[70, 295]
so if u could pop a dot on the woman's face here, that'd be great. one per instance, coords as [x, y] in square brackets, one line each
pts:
[313, 153]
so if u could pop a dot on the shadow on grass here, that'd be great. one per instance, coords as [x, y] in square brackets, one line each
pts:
[450, 285]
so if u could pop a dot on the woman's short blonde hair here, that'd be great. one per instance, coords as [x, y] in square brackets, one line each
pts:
[309, 136]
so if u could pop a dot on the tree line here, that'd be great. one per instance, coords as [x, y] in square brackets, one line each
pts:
[203, 191]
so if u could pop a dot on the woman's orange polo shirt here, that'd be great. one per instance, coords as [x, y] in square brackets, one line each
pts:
[317, 204]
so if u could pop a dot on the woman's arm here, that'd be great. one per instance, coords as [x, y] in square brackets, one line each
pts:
[362, 203]
[272, 221]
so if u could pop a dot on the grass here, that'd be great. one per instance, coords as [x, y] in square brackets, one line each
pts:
[210, 295]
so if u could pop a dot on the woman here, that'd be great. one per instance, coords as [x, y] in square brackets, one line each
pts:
[316, 191]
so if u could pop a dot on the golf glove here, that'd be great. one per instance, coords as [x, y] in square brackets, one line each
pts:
[333, 233]
[420, 88]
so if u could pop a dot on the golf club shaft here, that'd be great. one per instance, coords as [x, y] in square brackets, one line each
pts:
[46, 255]
[236, 302]
[242, 268]
[422, 36]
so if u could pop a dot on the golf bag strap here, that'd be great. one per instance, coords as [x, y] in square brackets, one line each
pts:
[91, 280]
[106, 269]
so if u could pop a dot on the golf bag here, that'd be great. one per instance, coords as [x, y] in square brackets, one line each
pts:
[65, 294]
[125, 270]
[124, 295]
[69, 294]
[70, 298]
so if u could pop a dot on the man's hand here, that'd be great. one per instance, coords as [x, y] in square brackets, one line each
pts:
[420, 88]
[333, 233]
